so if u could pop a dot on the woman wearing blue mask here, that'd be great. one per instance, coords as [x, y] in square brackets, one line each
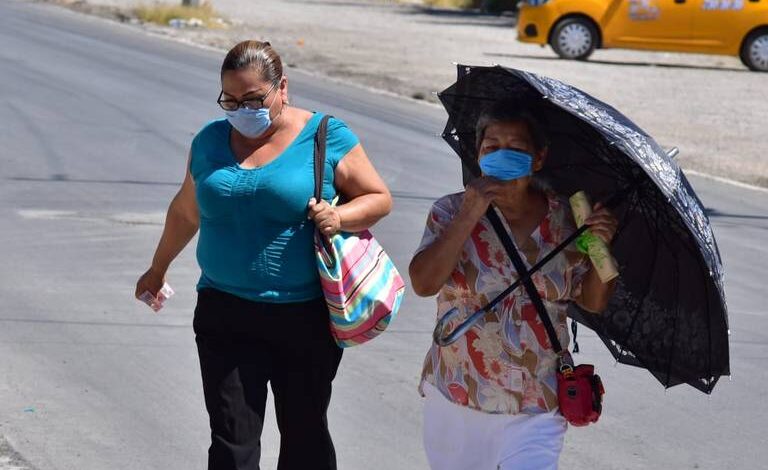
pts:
[491, 397]
[261, 316]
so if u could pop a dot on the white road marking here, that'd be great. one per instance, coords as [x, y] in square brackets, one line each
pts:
[129, 218]
[720, 179]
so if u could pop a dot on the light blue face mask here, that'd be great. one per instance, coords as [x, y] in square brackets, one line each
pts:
[507, 164]
[250, 122]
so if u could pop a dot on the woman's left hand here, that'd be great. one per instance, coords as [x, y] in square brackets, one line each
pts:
[326, 217]
[602, 223]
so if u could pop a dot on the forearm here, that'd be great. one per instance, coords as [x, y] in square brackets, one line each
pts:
[430, 269]
[177, 233]
[594, 293]
[364, 211]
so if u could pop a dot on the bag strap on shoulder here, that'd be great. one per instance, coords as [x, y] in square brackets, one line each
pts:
[522, 273]
[321, 138]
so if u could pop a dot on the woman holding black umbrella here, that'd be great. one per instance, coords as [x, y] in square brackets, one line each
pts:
[491, 397]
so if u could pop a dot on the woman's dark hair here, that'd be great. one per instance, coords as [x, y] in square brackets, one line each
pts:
[511, 111]
[257, 55]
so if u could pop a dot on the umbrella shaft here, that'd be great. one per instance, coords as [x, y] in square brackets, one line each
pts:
[445, 340]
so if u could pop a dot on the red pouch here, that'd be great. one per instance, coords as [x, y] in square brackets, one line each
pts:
[580, 394]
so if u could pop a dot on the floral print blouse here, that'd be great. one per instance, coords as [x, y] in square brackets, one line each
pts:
[504, 364]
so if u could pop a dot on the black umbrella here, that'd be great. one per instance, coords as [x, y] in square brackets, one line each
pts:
[668, 313]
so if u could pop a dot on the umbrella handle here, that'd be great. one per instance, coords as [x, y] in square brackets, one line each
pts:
[442, 339]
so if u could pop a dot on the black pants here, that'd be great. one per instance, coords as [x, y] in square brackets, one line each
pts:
[243, 345]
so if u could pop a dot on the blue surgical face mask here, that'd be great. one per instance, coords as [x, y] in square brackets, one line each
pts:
[507, 164]
[250, 122]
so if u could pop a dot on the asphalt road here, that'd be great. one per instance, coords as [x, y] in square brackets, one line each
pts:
[95, 122]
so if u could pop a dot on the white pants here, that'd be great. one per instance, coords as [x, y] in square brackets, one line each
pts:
[460, 438]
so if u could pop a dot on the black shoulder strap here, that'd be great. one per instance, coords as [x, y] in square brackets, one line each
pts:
[522, 273]
[320, 139]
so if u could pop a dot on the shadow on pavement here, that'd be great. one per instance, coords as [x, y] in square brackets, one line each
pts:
[413, 197]
[461, 17]
[333, 3]
[621, 63]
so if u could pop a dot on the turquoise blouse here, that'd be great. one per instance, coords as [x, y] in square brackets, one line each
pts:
[255, 239]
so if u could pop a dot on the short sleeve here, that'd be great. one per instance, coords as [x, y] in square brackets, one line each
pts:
[341, 140]
[206, 147]
[440, 216]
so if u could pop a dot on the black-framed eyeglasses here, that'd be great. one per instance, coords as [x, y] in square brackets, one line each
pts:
[231, 104]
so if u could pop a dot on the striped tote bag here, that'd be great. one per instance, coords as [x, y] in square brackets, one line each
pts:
[362, 287]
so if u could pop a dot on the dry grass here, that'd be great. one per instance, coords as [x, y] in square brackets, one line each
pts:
[161, 13]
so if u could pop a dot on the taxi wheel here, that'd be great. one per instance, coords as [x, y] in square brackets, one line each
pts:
[754, 51]
[574, 38]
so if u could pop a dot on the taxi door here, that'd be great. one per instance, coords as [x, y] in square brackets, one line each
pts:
[648, 22]
[721, 25]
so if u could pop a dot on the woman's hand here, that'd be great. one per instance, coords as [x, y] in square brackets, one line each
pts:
[181, 224]
[478, 196]
[431, 268]
[151, 281]
[326, 217]
[602, 223]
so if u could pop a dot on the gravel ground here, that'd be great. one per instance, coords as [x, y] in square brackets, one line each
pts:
[9, 459]
[710, 107]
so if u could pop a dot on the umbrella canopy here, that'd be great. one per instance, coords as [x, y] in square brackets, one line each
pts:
[668, 313]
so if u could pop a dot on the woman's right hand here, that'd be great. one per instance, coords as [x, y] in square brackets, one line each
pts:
[431, 268]
[151, 281]
[478, 196]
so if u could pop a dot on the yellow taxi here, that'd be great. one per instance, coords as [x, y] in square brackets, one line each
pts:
[575, 28]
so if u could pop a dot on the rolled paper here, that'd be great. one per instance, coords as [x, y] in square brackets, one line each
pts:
[592, 245]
